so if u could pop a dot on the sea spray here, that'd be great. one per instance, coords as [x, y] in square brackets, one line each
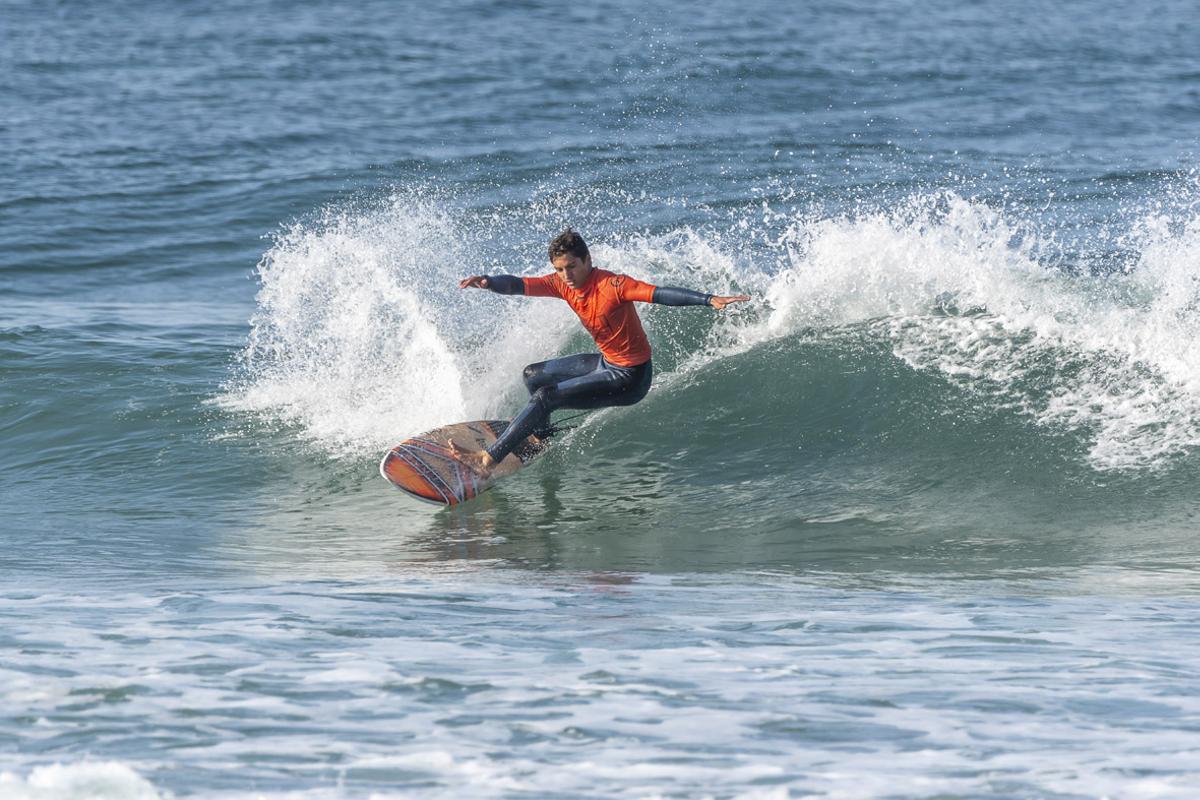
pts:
[362, 335]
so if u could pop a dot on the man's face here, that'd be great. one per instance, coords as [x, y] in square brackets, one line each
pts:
[572, 269]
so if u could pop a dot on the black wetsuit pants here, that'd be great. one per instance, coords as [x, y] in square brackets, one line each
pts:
[580, 381]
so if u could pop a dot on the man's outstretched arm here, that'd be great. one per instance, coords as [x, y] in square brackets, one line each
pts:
[500, 284]
[674, 296]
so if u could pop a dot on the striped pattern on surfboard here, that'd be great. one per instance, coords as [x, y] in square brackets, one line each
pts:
[425, 467]
[429, 471]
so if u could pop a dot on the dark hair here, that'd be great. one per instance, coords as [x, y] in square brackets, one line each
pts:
[568, 243]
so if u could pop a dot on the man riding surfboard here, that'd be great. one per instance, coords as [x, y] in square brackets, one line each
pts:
[619, 375]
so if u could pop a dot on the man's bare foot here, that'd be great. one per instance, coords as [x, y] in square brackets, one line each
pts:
[478, 461]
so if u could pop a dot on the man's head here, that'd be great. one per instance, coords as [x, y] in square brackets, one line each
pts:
[570, 258]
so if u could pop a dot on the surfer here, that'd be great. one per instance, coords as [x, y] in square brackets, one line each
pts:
[619, 375]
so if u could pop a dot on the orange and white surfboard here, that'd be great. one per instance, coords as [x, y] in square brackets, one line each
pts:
[426, 468]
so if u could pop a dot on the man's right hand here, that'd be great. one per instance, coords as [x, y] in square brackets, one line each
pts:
[474, 282]
[719, 303]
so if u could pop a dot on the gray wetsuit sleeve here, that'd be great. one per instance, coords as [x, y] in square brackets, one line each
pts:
[505, 284]
[672, 296]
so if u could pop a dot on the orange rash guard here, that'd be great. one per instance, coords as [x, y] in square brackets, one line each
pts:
[605, 307]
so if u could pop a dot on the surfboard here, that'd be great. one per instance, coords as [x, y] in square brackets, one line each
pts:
[426, 468]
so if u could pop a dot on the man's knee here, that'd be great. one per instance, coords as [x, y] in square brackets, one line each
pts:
[545, 397]
[531, 376]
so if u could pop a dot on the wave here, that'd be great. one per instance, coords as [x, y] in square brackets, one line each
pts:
[362, 337]
[1108, 356]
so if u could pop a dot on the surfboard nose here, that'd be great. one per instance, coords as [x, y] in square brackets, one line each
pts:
[427, 468]
[429, 472]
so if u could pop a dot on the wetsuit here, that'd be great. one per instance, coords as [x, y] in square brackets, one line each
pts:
[619, 375]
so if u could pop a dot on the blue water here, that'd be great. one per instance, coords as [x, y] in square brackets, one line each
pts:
[919, 521]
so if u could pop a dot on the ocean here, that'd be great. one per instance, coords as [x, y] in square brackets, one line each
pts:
[918, 521]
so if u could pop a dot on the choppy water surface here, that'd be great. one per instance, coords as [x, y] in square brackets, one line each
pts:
[607, 684]
[918, 522]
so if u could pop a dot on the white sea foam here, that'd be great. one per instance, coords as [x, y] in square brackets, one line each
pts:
[362, 335]
[87, 780]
